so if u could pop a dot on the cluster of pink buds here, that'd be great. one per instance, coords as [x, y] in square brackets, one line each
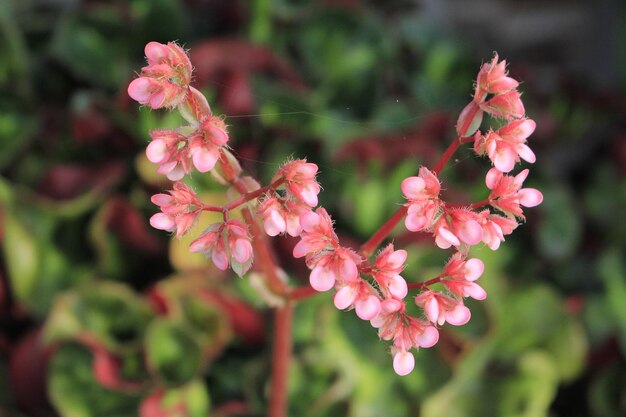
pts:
[179, 210]
[175, 152]
[281, 212]
[373, 288]
[165, 80]
[226, 243]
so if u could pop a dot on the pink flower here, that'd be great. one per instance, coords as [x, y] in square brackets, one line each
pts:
[359, 294]
[205, 143]
[507, 145]
[386, 270]
[317, 234]
[495, 227]
[168, 150]
[507, 105]
[406, 332]
[440, 308]
[422, 193]
[164, 82]
[338, 265]
[507, 194]
[459, 268]
[457, 226]
[493, 79]
[300, 180]
[179, 210]
[226, 243]
[281, 215]
[462, 273]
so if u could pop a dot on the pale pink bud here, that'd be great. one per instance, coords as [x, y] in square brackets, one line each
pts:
[162, 221]
[345, 297]
[397, 287]
[469, 120]
[367, 307]
[403, 363]
[428, 337]
[458, 315]
[473, 269]
[322, 278]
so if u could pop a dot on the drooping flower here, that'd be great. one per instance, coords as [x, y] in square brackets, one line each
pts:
[462, 274]
[440, 308]
[507, 194]
[169, 151]
[386, 271]
[495, 227]
[317, 234]
[331, 266]
[300, 182]
[405, 331]
[422, 193]
[507, 145]
[282, 215]
[226, 243]
[179, 209]
[359, 294]
[206, 141]
[457, 226]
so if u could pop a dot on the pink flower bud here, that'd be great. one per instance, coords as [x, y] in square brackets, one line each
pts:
[403, 363]
[507, 105]
[492, 79]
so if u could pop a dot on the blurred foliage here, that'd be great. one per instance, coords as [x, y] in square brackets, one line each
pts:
[92, 321]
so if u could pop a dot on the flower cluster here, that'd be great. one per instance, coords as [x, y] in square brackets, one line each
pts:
[165, 80]
[373, 288]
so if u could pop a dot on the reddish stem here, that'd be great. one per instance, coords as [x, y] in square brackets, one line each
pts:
[447, 154]
[373, 242]
[421, 285]
[377, 238]
[300, 293]
[281, 357]
[253, 194]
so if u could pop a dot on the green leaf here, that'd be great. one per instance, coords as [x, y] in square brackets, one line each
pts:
[22, 253]
[110, 312]
[74, 392]
[172, 352]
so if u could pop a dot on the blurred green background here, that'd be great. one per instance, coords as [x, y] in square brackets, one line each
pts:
[102, 316]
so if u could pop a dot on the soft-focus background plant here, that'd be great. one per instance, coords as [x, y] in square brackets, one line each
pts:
[101, 316]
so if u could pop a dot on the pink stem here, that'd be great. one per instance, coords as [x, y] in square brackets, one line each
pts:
[381, 234]
[281, 357]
